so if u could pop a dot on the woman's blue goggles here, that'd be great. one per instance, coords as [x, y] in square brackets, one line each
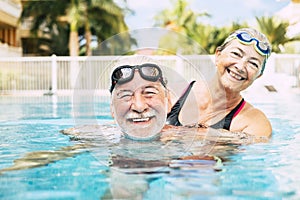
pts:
[125, 73]
[245, 38]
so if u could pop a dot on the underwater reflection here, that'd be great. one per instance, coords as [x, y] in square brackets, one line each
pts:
[131, 163]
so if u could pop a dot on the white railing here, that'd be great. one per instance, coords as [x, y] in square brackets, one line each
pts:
[36, 75]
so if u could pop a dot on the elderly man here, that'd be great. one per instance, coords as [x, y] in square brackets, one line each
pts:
[139, 100]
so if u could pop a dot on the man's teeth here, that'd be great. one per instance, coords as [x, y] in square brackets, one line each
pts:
[234, 75]
[141, 119]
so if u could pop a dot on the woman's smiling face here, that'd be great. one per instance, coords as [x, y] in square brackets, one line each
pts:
[238, 65]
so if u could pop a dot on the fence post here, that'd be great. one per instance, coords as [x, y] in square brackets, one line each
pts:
[296, 72]
[179, 65]
[54, 73]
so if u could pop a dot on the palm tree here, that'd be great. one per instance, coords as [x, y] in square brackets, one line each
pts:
[102, 16]
[275, 30]
[212, 37]
[183, 20]
[43, 25]
[180, 19]
[86, 14]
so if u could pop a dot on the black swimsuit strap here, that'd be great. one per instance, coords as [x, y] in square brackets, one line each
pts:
[172, 117]
[226, 121]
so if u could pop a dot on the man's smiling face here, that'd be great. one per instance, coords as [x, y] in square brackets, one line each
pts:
[140, 107]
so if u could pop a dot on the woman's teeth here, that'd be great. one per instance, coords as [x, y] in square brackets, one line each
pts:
[234, 75]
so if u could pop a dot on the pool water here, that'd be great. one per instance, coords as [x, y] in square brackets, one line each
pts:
[65, 168]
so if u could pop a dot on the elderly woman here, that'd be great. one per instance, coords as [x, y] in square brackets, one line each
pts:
[239, 61]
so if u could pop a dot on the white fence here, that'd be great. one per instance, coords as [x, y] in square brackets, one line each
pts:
[35, 75]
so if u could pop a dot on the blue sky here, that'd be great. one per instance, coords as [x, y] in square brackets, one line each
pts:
[223, 12]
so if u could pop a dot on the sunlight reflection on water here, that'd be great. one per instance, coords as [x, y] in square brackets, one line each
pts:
[29, 124]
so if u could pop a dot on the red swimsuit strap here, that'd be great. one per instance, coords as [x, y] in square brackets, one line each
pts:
[239, 110]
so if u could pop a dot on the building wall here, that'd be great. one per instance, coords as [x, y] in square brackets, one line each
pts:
[10, 11]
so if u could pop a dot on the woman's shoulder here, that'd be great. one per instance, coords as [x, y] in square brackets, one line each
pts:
[254, 121]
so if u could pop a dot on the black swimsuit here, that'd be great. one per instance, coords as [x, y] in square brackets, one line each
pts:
[225, 123]
[172, 117]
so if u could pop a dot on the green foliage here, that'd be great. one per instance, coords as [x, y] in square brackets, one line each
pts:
[275, 30]
[210, 37]
[184, 20]
[180, 19]
[103, 18]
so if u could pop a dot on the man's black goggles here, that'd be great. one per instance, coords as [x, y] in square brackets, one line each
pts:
[125, 73]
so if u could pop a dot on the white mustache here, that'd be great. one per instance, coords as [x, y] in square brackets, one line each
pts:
[134, 115]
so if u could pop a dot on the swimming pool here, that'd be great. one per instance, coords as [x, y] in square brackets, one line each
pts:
[32, 124]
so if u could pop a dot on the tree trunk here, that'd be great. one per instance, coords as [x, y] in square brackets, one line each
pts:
[73, 43]
[74, 51]
[73, 39]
